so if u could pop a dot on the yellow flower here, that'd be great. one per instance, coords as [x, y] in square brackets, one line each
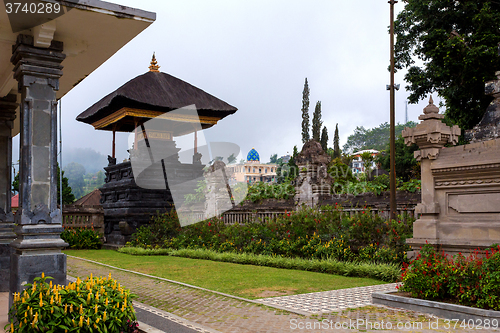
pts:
[104, 316]
[50, 284]
[12, 327]
[106, 303]
[88, 321]
[71, 308]
[81, 309]
[65, 308]
[74, 324]
[43, 275]
[81, 321]
[51, 300]
[95, 308]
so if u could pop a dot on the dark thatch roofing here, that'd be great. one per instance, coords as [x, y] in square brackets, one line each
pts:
[157, 91]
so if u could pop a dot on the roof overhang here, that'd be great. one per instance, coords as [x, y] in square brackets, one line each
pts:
[92, 31]
[127, 119]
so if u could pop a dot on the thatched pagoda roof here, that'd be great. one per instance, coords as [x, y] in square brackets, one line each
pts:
[156, 91]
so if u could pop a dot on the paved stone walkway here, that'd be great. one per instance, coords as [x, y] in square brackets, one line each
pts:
[224, 314]
[328, 301]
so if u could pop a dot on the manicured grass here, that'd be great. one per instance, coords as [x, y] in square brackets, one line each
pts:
[240, 280]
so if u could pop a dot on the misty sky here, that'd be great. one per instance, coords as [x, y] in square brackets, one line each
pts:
[255, 55]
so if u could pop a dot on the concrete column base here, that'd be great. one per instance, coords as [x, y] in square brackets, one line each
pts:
[27, 265]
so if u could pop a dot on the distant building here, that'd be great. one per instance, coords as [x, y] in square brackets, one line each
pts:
[252, 171]
[358, 164]
[14, 203]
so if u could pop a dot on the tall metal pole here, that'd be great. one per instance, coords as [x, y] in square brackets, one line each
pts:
[392, 128]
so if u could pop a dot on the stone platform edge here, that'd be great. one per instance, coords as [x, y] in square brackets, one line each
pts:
[442, 310]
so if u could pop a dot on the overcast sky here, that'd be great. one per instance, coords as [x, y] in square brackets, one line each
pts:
[255, 56]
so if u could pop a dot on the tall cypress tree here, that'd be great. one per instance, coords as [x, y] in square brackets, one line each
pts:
[336, 146]
[305, 113]
[316, 122]
[324, 139]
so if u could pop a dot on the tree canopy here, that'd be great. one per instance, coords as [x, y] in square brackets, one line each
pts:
[324, 139]
[336, 146]
[375, 138]
[407, 166]
[450, 47]
[75, 173]
[317, 122]
[305, 113]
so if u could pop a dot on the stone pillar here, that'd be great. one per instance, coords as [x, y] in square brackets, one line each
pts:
[8, 107]
[38, 245]
[430, 135]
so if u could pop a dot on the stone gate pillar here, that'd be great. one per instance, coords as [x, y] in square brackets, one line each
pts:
[8, 107]
[38, 245]
[431, 135]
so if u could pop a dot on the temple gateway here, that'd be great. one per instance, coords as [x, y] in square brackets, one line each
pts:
[148, 106]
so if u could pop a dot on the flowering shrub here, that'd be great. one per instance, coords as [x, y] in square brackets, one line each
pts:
[93, 305]
[307, 233]
[82, 238]
[471, 280]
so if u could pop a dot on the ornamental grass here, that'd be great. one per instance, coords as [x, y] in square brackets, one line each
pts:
[92, 305]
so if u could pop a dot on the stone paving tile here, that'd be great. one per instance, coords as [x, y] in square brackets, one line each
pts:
[230, 315]
[328, 301]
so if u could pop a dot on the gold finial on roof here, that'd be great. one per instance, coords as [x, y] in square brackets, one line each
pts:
[154, 65]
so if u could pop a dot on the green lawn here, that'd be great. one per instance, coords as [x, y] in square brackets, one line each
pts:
[241, 280]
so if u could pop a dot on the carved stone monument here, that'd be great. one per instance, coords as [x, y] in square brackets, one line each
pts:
[460, 188]
[217, 193]
[313, 183]
[488, 127]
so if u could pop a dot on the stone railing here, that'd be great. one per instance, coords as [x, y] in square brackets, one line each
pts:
[244, 216]
[84, 217]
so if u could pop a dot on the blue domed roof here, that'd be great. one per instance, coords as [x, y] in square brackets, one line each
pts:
[253, 156]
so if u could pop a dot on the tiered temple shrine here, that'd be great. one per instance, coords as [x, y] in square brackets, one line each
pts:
[153, 95]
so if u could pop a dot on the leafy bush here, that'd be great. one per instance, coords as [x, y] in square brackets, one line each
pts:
[307, 233]
[413, 185]
[471, 280]
[82, 238]
[161, 227]
[260, 191]
[93, 305]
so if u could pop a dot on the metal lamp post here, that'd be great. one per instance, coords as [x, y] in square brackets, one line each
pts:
[392, 125]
